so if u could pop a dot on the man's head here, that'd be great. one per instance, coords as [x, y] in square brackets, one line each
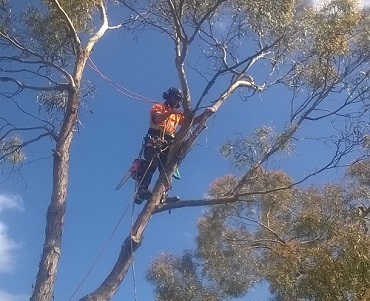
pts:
[173, 97]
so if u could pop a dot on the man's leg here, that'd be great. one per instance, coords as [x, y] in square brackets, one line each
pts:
[152, 161]
[163, 160]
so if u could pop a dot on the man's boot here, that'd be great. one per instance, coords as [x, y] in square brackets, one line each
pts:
[142, 195]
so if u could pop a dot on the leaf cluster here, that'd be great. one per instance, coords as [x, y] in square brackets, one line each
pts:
[267, 17]
[4, 14]
[307, 244]
[11, 150]
[246, 151]
[49, 27]
[178, 280]
[333, 34]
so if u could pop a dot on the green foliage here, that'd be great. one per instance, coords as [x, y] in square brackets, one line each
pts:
[49, 27]
[159, 12]
[222, 186]
[11, 149]
[245, 151]
[177, 279]
[79, 12]
[332, 34]
[53, 100]
[4, 14]
[194, 10]
[310, 48]
[268, 17]
[227, 267]
[337, 21]
[274, 208]
[360, 172]
[307, 244]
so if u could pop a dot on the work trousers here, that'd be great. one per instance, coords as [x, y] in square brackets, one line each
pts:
[155, 157]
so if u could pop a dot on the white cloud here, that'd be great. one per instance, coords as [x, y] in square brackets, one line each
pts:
[7, 245]
[7, 248]
[9, 201]
[5, 296]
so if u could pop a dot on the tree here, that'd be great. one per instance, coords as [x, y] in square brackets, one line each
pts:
[306, 243]
[289, 42]
[286, 42]
[51, 64]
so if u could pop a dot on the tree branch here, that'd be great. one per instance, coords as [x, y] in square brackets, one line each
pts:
[103, 28]
[21, 86]
[197, 203]
[72, 29]
[41, 60]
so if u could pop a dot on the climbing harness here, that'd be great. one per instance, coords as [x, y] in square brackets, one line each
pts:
[139, 167]
[158, 143]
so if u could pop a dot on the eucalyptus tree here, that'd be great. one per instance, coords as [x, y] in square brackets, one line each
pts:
[45, 46]
[306, 243]
[317, 55]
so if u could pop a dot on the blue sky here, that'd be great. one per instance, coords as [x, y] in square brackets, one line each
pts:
[104, 147]
[108, 140]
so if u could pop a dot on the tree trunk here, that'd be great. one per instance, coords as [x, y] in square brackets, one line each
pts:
[45, 279]
[43, 289]
[110, 285]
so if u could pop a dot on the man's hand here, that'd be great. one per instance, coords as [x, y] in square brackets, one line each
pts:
[160, 117]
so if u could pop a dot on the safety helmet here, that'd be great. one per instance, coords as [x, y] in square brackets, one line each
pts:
[173, 97]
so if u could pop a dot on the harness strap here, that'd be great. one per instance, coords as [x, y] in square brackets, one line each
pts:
[157, 142]
[160, 133]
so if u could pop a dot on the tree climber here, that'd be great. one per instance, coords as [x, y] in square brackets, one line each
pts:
[164, 119]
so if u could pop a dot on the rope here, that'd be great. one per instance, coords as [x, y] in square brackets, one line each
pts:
[137, 185]
[102, 250]
[132, 249]
[121, 89]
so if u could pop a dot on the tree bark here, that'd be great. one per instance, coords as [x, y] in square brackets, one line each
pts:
[110, 284]
[46, 276]
[45, 279]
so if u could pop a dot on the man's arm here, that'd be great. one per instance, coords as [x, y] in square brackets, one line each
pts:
[159, 117]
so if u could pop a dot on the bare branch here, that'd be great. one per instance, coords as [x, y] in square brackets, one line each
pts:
[206, 16]
[145, 19]
[103, 28]
[197, 203]
[22, 86]
[40, 61]
[12, 149]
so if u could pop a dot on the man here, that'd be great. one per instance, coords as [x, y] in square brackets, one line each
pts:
[164, 119]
